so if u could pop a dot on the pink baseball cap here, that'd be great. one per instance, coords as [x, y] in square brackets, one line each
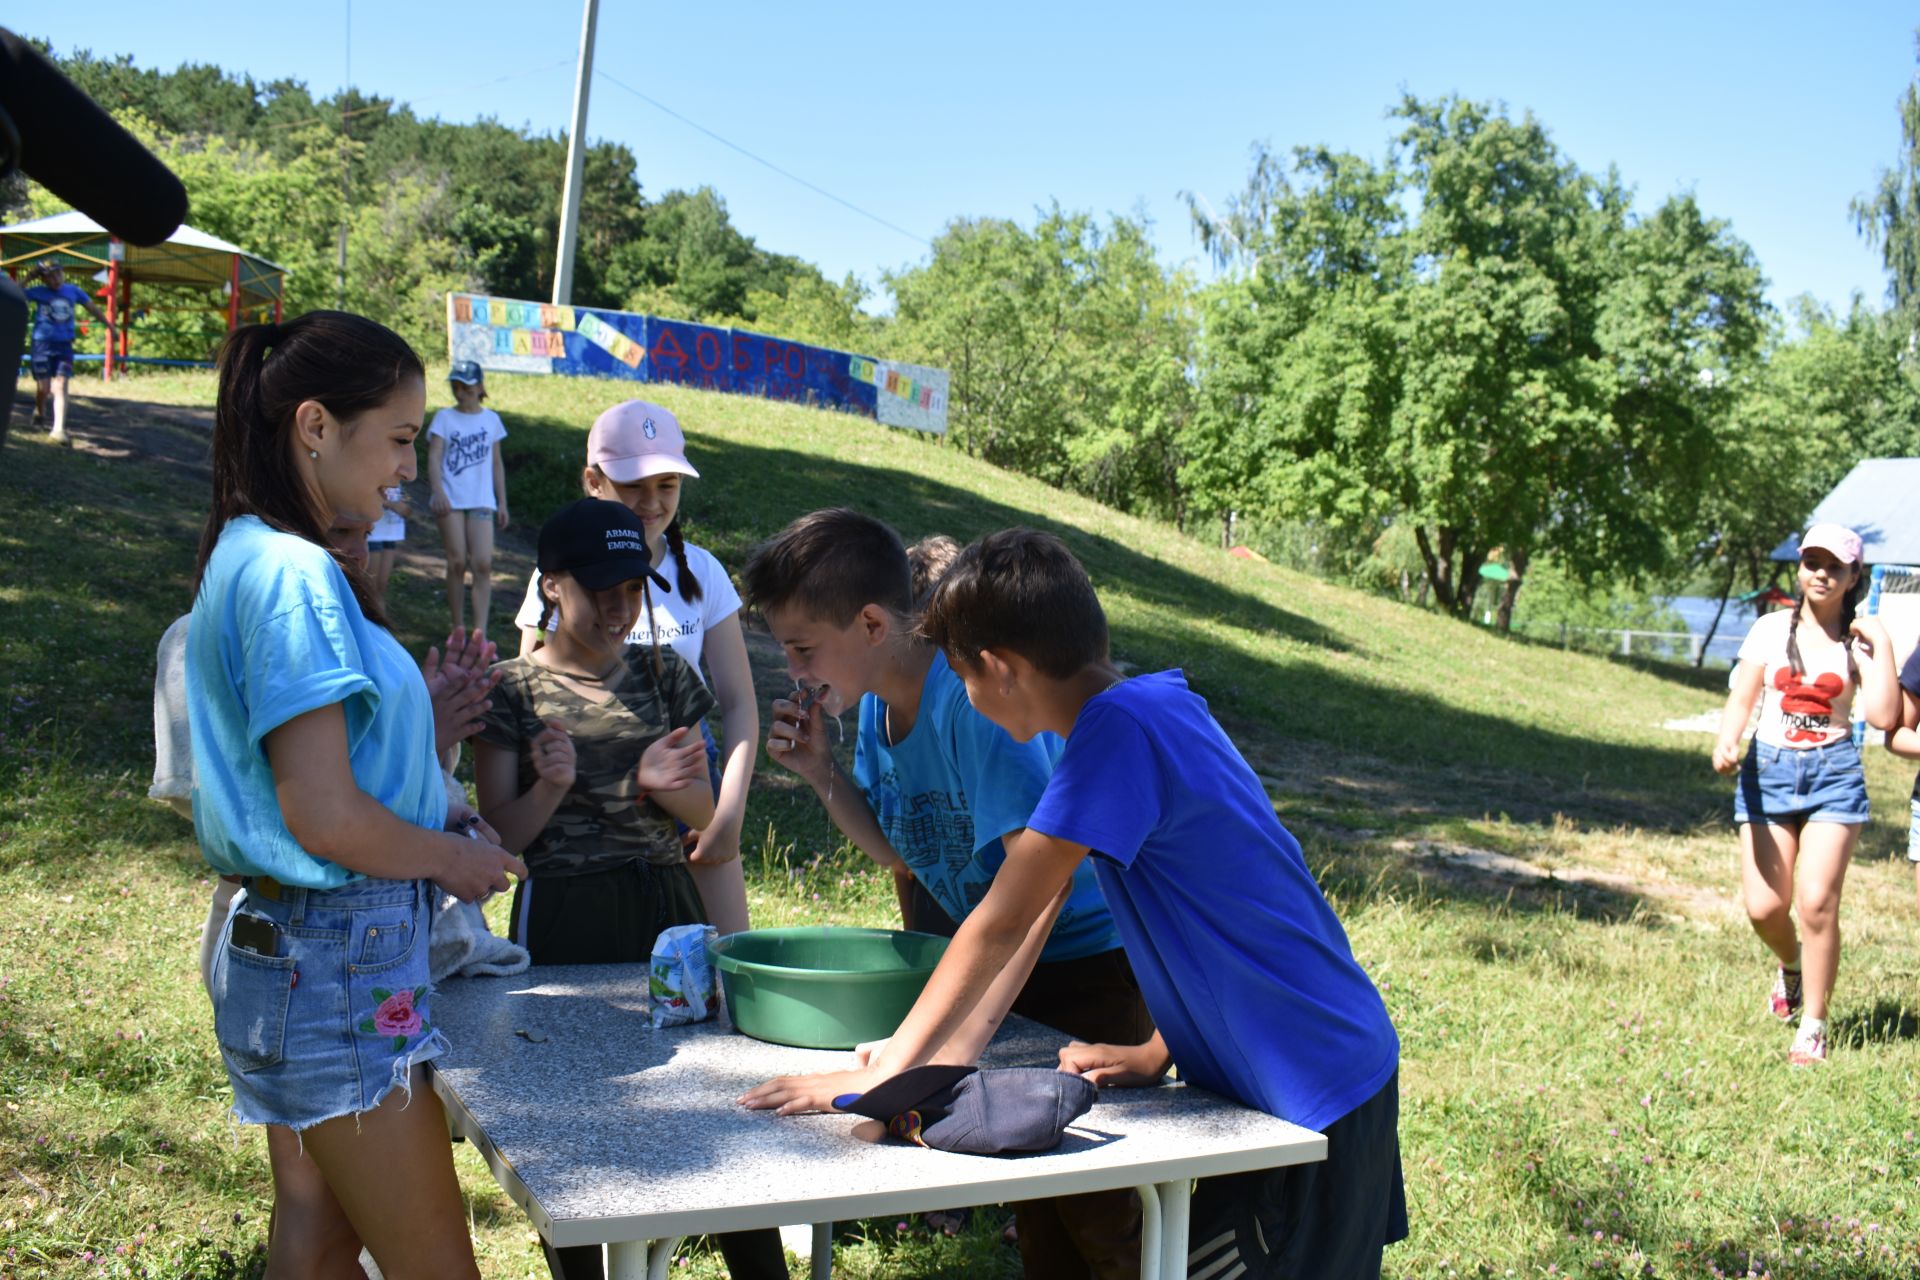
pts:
[1837, 540]
[634, 440]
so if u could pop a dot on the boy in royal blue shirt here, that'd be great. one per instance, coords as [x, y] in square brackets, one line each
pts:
[51, 349]
[1245, 969]
[937, 790]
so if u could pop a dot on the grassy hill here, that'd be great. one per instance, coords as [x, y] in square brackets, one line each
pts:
[1539, 875]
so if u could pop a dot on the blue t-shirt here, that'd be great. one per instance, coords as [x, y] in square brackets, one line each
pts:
[277, 633]
[1244, 966]
[947, 793]
[53, 318]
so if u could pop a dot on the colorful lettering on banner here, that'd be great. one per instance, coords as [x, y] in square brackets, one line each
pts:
[521, 336]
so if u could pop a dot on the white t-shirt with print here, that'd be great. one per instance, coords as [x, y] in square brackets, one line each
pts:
[1812, 709]
[683, 623]
[390, 527]
[466, 470]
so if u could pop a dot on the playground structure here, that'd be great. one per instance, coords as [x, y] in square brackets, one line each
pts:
[249, 287]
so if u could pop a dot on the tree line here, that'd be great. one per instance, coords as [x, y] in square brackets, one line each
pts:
[1462, 365]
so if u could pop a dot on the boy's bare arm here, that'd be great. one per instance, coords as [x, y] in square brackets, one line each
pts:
[1029, 885]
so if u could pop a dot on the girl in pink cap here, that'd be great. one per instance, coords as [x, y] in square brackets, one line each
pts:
[1802, 796]
[637, 456]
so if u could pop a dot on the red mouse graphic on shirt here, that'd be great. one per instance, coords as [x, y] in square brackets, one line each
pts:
[1807, 708]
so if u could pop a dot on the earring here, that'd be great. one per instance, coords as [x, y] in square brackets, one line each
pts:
[313, 453]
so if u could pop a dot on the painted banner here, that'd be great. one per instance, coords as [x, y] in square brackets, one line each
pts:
[532, 337]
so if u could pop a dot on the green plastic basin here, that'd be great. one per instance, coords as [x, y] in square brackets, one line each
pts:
[823, 987]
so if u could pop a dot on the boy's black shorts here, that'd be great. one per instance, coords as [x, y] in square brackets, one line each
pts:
[1330, 1219]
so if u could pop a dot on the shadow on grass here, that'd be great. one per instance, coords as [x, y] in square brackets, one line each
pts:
[1886, 1022]
[1384, 748]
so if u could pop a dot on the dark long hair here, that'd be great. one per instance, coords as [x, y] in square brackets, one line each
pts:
[346, 363]
[1849, 606]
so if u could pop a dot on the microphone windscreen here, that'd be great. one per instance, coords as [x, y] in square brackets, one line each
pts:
[75, 150]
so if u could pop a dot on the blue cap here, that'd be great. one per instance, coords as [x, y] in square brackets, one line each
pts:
[467, 371]
[977, 1112]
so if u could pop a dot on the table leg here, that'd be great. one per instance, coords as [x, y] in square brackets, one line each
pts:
[1150, 1231]
[1176, 1200]
[821, 1254]
[641, 1259]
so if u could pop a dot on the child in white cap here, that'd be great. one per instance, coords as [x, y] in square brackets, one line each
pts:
[637, 456]
[1802, 795]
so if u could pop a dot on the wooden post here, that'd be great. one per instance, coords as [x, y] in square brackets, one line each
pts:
[113, 314]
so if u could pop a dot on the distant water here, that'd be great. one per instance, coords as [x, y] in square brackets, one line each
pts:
[1697, 614]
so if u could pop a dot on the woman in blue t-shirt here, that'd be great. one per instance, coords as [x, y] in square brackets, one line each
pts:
[315, 782]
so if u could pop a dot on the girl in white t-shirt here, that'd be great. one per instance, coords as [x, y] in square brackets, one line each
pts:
[637, 456]
[469, 482]
[1802, 796]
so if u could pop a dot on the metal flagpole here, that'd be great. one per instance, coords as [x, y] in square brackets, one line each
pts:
[576, 164]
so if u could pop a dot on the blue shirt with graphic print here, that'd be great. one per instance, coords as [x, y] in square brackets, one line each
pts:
[53, 317]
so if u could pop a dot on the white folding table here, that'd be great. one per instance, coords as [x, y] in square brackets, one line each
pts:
[607, 1131]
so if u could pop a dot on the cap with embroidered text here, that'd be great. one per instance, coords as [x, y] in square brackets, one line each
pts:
[599, 543]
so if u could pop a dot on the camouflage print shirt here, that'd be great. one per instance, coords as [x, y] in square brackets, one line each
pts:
[598, 826]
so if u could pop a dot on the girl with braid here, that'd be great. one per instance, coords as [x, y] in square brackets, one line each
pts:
[1802, 796]
[637, 456]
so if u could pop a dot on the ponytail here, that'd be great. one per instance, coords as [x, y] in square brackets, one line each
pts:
[1849, 609]
[346, 363]
[687, 584]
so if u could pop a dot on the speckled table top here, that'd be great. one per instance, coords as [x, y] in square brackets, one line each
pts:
[604, 1129]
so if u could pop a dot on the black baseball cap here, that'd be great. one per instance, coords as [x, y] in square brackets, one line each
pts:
[982, 1113]
[600, 543]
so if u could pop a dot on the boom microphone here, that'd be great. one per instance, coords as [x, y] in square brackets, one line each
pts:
[75, 150]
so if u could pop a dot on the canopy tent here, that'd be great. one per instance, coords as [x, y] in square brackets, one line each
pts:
[250, 285]
[1879, 500]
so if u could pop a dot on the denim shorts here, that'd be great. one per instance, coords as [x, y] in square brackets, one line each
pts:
[374, 548]
[1913, 829]
[334, 1019]
[51, 360]
[1810, 784]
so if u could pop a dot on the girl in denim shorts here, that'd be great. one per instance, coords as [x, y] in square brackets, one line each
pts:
[316, 785]
[1802, 796]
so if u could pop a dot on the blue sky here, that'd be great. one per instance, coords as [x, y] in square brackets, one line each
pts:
[1774, 115]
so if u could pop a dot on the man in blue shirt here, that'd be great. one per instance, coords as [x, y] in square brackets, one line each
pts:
[51, 350]
[1247, 972]
[939, 791]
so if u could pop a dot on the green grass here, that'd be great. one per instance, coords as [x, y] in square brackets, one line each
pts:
[1588, 1085]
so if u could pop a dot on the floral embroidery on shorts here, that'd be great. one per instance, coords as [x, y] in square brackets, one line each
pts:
[396, 1016]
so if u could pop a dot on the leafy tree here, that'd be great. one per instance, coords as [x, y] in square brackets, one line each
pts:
[1070, 349]
[1478, 341]
[1889, 218]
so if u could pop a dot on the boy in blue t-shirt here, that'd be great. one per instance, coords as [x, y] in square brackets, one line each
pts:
[51, 349]
[937, 790]
[1246, 970]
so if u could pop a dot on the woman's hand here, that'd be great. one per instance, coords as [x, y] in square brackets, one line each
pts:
[553, 756]
[673, 762]
[1124, 1066]
[1726, 757]
[472, 869]
[797, 739]
[462, 820]
[458, 686]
